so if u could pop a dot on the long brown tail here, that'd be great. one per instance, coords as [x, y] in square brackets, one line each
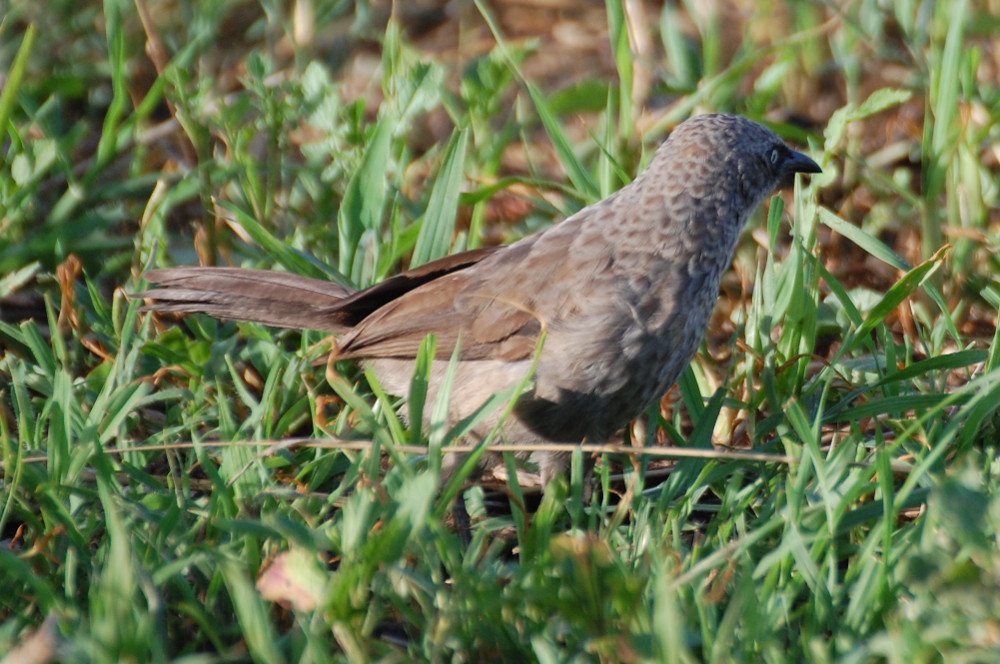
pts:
[288, 300]
[273, 298]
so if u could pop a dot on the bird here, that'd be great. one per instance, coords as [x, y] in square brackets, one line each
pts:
[598, 315]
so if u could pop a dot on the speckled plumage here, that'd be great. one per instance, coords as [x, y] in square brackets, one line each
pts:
[623, 289]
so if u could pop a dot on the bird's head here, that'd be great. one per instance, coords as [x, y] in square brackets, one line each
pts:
[730, 158]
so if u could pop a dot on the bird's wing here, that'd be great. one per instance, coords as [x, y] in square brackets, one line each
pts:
[494, 309]
[461, 308]
[355, 308]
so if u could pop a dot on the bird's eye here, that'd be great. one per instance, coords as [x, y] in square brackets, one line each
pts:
[774, 157]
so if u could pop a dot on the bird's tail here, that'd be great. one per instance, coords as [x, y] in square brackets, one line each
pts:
[273, 298]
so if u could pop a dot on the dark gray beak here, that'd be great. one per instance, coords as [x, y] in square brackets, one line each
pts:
[799, 163]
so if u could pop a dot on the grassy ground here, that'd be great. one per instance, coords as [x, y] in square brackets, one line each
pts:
[140, 500]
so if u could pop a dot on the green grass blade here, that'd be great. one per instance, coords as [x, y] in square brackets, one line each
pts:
[364, 202]
[8, 96]
[288, 257]
[438, 227]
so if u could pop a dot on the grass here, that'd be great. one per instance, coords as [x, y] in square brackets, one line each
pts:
[142, 499]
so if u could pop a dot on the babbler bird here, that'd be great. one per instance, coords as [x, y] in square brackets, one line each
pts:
[623, 291]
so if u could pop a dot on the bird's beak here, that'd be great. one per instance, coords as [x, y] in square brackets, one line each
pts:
[799, 163]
